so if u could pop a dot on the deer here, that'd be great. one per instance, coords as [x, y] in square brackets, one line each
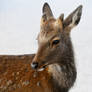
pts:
[52, 68]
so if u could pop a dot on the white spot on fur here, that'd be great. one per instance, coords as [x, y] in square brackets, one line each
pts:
[9, 82]
[25, 83]
[38, 83]
[17, 73]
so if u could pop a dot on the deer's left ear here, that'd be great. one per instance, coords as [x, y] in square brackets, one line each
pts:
[73, 19]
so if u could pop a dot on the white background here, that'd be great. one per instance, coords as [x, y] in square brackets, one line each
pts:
[20, 24]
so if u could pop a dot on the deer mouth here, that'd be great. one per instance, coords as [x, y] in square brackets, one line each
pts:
[42, 68]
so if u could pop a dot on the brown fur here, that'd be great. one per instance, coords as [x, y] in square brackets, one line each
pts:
[56, 60]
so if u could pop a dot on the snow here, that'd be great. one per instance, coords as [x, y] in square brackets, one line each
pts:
[20, 24]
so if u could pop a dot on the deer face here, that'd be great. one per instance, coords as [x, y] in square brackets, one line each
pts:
[53, 36]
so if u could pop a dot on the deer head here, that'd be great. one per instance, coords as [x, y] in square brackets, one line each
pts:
[54, 37]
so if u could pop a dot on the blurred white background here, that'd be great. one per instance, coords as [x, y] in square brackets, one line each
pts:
[20, 24]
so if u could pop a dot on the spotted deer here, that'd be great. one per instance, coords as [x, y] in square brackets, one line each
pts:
[52, 68]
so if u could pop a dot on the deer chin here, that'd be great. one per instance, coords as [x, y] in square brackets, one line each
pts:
[44, 67]
[41, 69]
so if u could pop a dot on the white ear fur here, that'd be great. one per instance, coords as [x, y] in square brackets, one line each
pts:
[73, 19]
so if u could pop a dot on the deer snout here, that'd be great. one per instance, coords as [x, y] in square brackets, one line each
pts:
[34, 65]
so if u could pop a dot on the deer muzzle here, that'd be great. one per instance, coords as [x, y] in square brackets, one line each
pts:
[36, 66]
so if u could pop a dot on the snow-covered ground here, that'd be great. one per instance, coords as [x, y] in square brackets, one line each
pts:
[20, 24]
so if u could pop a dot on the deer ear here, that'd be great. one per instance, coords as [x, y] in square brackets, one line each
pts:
[47, 13]
[73, 19]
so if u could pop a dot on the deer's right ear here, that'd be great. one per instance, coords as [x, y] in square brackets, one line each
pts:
[73, 19]
[47, 13]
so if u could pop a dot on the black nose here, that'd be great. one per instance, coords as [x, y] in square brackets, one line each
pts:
[34, 65]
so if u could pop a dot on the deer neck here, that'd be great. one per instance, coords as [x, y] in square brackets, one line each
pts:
[60, 73]
[56, 72]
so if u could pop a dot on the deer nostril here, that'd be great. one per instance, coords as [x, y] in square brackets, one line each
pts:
[34, 65]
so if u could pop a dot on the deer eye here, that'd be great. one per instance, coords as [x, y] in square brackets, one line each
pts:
[55, 42]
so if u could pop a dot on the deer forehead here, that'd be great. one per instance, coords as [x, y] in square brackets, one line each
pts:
[49, 31]
[45, 37]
